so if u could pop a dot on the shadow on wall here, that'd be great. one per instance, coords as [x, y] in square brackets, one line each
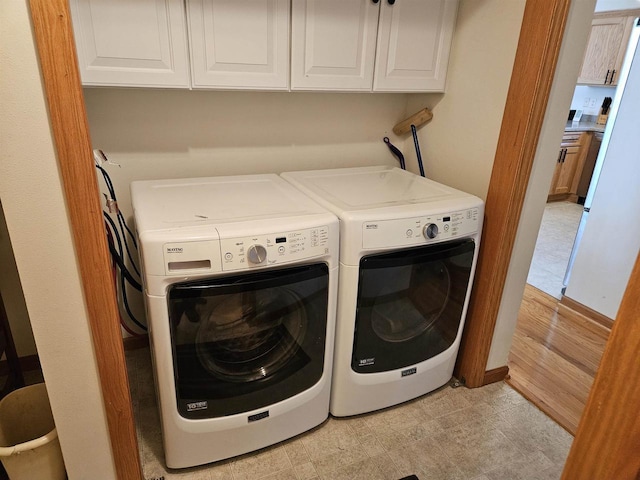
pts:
[155, 120]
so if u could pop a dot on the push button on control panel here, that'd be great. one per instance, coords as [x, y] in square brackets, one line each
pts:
[280, 247]
[413, 231]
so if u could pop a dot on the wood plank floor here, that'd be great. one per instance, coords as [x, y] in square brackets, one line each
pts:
[554, 356]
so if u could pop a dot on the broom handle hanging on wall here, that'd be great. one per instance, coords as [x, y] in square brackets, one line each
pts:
[417, 119]
[411, 124]
[418, 155]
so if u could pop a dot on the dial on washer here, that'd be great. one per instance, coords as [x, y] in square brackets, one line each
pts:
[430, 231]
[257, 254]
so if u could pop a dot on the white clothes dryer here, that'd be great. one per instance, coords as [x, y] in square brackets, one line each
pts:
[240, 285]
[408, 250]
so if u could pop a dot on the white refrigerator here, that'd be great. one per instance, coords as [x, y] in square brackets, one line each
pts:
[608, 238]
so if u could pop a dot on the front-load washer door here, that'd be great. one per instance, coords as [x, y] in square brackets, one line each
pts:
[244, 342]
[410, 305]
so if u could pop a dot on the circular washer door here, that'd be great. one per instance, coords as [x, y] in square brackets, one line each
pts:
[250, 335]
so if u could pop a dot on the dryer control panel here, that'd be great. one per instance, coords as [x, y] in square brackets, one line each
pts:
[415, 231]
[261, 250]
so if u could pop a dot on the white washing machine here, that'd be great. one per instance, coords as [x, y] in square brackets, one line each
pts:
[240, 279]
[408, 250]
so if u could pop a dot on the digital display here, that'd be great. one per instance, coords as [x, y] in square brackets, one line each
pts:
[446, 219]
[281, 239]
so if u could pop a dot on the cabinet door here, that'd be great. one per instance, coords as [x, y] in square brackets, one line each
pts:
[141, 43]
[567, 170]
[605, 50]
[239, 44]
[333, 44]
[556, 173]
[414, 40]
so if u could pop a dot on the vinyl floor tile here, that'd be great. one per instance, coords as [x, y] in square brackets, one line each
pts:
[478, 451]
[264, 463]
[426, 460]
[450, 434]
[522, 469]
[553, 246]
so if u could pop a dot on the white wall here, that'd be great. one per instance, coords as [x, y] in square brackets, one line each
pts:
[39, 229]
[607, 5]
[611, 238]
[569, 62]
[589, 99]
[154, 133]
[458, 146]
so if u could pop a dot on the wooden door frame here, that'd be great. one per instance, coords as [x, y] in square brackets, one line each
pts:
[541, 36]
[53, 33]
[540, 39]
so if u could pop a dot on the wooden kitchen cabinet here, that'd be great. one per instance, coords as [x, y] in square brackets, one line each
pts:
[239, 44]
[142, 43]
[569, 164]
[606, 48]
[366, 45]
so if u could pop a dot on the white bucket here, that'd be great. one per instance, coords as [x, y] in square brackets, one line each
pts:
[29, 446]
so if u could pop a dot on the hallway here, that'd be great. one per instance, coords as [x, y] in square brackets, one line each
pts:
[554, 356]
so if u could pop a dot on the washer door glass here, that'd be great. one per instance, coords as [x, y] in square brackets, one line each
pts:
[249, 335]
[410, 305]
[245, 342]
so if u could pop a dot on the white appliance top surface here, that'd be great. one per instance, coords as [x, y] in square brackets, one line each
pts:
[370, 188]
[167, 204]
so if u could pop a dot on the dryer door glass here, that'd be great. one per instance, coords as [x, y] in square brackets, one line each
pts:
[245, 342]
[410, 305]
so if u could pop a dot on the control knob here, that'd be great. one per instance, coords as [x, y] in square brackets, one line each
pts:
[256, 254]
[430, 231]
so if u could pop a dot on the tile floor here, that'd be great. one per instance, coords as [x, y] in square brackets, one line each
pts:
[553, 246]
[490, 433]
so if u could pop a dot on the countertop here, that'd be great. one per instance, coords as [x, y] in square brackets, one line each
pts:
[584, 127]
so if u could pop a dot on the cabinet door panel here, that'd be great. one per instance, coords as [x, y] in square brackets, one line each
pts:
[568, 170]
[141, 43]
[239, 44]
[605, 50]
[414, 40]
[333, 44]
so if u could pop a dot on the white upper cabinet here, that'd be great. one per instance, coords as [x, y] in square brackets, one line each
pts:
[314, 45]
[414, 40]
[239, 44]
[131, 43]
[333, 44]
[364, 45]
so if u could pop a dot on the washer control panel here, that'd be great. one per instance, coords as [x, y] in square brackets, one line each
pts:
[247, 252]
[420, 230]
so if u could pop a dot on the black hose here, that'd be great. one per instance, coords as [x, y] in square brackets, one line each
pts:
[117, 256]
[395, 151]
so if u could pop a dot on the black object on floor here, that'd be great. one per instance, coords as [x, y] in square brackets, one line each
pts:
[410, 477]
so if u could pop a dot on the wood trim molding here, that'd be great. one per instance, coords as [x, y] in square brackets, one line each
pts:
[608, 437]
[56, 49]
[495, 375]
[597, 317]
[536, 57]
[618, 13]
